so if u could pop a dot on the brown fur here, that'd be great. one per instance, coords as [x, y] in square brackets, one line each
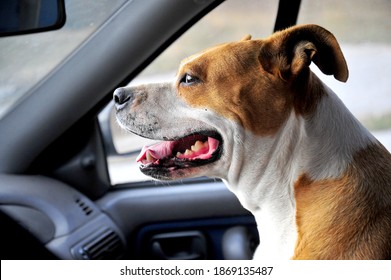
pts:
[273, 73]
[259, 102]
[350, 217]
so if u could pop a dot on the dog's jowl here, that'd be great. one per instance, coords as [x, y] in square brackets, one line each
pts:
[252, 113]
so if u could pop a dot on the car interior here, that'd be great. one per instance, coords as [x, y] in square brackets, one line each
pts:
[67, 190]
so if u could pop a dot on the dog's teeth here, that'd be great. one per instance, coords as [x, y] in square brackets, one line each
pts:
[197, 146]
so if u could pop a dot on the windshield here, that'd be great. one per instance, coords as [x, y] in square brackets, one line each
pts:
[27, 59]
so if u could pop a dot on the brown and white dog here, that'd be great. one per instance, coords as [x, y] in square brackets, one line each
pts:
[252, 113]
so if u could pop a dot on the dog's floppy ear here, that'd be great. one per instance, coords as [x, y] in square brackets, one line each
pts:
[291, 51]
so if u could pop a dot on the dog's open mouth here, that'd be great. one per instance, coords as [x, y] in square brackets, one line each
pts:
[190, 151]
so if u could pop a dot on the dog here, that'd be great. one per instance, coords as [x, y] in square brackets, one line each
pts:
[253, 113]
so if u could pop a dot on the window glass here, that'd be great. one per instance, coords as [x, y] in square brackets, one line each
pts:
[27, 59]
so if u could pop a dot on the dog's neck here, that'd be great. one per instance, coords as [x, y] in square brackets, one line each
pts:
[263, 182]
[320, 146]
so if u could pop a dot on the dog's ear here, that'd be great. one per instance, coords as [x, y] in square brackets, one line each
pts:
[291, 51]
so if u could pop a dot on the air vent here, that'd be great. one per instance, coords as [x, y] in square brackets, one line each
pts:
[106, 246]
[84, 206]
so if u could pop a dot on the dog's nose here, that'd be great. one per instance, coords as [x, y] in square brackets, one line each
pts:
[121, 97]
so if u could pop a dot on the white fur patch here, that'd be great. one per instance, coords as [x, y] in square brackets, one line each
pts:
[333, 136]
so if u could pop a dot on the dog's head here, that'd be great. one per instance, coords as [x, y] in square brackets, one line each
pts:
[249, 87]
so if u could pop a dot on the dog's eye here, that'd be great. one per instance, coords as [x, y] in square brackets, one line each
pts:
[188, 79]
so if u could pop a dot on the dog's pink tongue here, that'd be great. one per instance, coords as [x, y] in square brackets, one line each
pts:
[165, 149]
[157, 151]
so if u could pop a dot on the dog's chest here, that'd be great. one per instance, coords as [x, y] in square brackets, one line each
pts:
[277, 231]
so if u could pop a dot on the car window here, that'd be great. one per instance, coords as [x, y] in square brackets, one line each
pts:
[230, 21]
[27, 59]
[362, 28]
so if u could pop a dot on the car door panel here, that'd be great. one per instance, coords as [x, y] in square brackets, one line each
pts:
[208, 209]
